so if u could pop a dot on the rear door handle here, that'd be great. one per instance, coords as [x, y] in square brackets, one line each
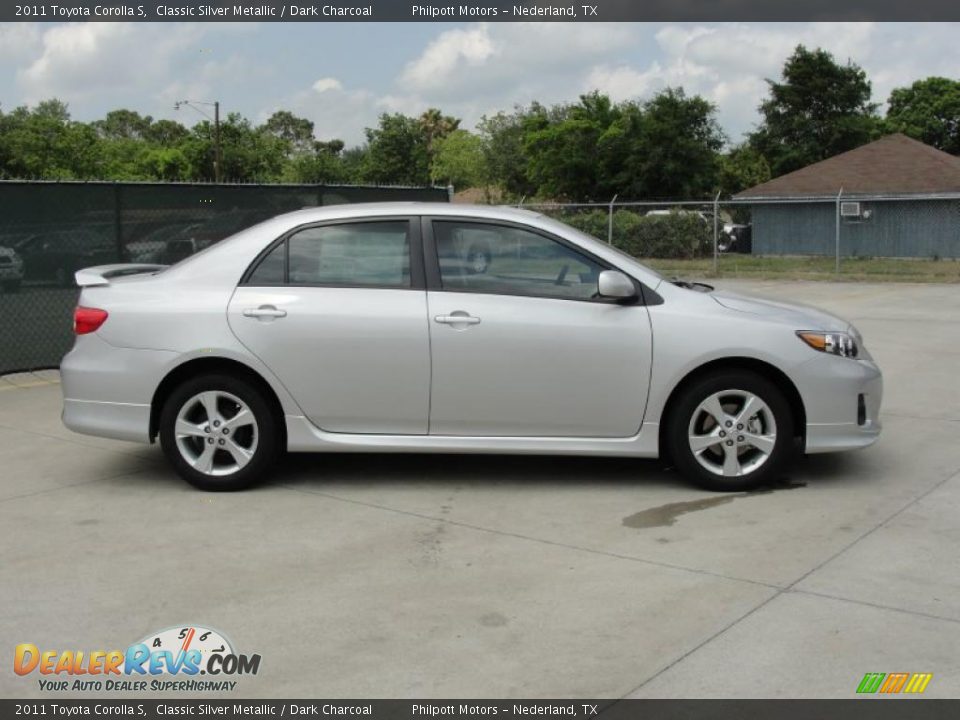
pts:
[265, 312]
[457, 319]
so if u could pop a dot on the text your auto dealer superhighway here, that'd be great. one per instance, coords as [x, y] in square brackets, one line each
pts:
[278, 11]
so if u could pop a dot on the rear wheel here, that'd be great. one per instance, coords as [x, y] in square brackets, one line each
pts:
[730, 431]
[219, 433]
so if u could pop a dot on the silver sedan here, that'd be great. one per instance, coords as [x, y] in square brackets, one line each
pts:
[377, 328]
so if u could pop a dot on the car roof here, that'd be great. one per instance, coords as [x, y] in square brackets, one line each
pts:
[496, 212]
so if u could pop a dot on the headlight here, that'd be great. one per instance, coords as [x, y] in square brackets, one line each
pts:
[834, 343]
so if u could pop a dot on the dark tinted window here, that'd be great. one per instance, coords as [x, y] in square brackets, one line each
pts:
[370, 254]
[373, 254]
[271, 269]
[477, 257]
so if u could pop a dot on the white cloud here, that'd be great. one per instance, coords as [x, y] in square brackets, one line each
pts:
[18, 41]
[328, 83]
[445, 58]
[121, 64]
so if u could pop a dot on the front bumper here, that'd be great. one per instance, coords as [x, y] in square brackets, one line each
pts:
[842, 400]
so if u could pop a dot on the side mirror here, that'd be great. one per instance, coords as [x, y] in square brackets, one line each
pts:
[614, 284]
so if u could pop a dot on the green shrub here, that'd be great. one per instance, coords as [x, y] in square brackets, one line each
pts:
[677, 235]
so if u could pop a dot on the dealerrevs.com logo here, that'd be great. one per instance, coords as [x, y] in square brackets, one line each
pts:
[170, 660]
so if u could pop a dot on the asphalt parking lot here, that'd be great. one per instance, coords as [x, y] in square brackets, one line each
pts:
[488, 576]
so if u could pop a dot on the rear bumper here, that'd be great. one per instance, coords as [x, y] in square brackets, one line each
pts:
[107, 390]
[120, 421]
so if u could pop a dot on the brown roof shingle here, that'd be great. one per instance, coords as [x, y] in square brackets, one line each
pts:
[892, 165]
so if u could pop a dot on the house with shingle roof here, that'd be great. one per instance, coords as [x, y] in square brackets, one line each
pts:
[896, 197]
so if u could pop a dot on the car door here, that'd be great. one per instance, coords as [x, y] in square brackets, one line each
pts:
[521, 343]
[338, 312]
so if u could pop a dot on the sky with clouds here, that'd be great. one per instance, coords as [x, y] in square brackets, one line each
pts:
[343, 75]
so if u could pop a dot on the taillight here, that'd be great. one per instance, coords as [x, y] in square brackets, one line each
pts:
[88, 320]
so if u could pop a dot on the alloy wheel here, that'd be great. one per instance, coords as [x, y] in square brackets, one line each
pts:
[216, 433]
[732, 433]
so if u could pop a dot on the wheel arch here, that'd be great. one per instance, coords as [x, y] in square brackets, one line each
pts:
[214, 365]
[760, 367]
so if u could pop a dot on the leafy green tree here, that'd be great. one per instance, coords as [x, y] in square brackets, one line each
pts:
[123, 125]
[397, 152]
[166, 132]
[503, 151]
[820, 109]
[354, 161]
[458, 160]
[295, 132]
[169, 164]
[436, 126]
[742, 168]
[673, 148]
[44, 142]
[562, 148]
[929, 111]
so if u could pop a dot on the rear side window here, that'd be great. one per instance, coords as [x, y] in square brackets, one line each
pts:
[272, 269]
[365, 254]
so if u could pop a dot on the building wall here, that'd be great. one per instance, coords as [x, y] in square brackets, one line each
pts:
[916, 228]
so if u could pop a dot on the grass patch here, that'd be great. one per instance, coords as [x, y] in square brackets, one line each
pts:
[789, 267]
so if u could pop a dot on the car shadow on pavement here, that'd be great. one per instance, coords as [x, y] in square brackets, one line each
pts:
[447, 469]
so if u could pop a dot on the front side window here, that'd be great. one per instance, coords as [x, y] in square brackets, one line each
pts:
[477, 257]
[367, 254]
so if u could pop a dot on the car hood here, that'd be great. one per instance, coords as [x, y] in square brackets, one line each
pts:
[802, 317]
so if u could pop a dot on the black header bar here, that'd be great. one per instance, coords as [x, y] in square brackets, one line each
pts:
[476, 10]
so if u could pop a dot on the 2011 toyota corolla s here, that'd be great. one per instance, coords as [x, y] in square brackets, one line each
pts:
[373, 328]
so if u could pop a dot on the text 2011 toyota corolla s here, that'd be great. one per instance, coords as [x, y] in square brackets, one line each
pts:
[378, 328]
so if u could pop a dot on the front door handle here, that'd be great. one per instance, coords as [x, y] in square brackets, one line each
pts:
[457, 318]
[264, 312]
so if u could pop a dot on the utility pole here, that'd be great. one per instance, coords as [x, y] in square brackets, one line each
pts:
[217, 151]
[218, 158]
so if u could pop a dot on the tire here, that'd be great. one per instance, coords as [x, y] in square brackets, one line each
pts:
[735, 457]
[11, 286]
[243, 451]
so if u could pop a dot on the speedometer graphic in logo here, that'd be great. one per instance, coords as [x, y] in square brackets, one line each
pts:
[185, 638]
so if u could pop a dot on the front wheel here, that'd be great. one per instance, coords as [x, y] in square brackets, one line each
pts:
[730, 431]
[219, 433]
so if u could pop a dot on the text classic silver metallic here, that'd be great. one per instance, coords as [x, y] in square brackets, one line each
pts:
[408, 327]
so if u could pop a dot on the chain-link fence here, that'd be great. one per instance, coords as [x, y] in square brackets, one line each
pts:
[845, 236]
[49, 230]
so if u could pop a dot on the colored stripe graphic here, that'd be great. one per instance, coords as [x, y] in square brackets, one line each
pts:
[870, 683]
[894, 682]
[918, 682]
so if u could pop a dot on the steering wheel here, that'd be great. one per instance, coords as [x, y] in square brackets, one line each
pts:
[562, 275]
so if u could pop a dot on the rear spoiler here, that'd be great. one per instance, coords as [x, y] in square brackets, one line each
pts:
[101, 274]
